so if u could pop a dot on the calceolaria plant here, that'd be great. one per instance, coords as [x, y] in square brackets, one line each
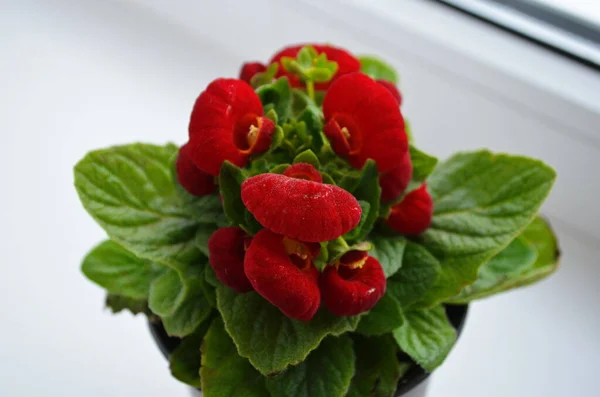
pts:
[300, 234]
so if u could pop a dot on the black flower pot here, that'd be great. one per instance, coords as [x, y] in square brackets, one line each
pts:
[412, 384]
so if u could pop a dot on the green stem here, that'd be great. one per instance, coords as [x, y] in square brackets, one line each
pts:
[310, 89]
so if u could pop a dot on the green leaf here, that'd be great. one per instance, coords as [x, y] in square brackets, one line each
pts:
[224, 372]
[323, 258]
[205, 209]
[308, 156]
[377, 69]
[230, 181]
[278, 94]
[194, 309]
[326, 372]
[269, 339]
[118, 303]
[167, 293]
[377, 367]
[388, 250]
[355, 233]
[202, 236]
[119, 271]
[265, 77]
[482, 202]
[368, 190]
[417, 275]
[423, 164]
[185, 360]
[383, 318]
[129, 190]
[529, 258]
[426, 336]
[338, 247]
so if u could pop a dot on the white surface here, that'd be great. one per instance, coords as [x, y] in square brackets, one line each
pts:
[78, 75]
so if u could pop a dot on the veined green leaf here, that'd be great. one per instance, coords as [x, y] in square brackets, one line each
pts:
[130, 192]
[279, 95]
[326, 372]
[167, 293]
[118, 303]
[388, 250]
[423, 164]
[377, 69]
[230, 181]
[426, 336]
[268, 338]
[224, 373]
[383, 318]
[194, 308]
[482, 201]
[185, 361]
[119, 271]
[529, 258]
[377, 367]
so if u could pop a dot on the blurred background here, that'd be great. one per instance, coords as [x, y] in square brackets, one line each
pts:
[76, 75]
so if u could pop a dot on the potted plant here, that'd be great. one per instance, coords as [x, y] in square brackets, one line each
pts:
[300, 243]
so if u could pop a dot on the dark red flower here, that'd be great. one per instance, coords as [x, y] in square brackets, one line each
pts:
[281, 270]
[194, 180]
[301, 209]
[413, 214]
[363, 121]
[394, 182]
[353, 287]
[227, 123]
[393, 89]
[303, 171]
[227, 247]
[347, 63]
[250, 69]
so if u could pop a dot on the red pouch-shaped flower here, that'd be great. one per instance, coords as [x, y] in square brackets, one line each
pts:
[227, 248]
[394, 182]
[413, 214]
[346, 62]
[354, 286]
[250, 69]
[393, 89]
[363, 121]
[227, 123]
[281, 270]
[192, 178]
[302, 209]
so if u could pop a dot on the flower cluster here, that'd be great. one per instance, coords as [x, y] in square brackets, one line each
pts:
[300, 212]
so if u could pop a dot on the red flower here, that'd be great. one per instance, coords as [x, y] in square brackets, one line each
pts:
[227, 247]
[194, 180]
[250, 69]
[303, 171]
[413, 214]
[281, 270]
[393, 89]
[394, 182]
[363, 121]
[354, 286]
[227, 123]
[346, 62]
[301, 209]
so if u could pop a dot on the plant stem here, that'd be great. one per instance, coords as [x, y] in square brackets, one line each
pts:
[310, 89]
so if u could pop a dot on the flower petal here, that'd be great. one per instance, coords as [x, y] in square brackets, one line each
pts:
[413, 214]
[194, 180]
[393, 89]
[226, 107]
[348, 292]
[394, 182]
[227, 249]
[273, 275]
[304, 171]
[250, 69]
[372, 119]
[347, 63]
[300, 209]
